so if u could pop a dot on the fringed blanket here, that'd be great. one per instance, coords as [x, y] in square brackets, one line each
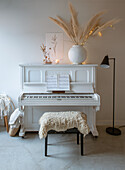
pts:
[61, 121]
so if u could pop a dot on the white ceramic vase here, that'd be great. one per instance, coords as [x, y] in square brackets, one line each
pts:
[77, 54]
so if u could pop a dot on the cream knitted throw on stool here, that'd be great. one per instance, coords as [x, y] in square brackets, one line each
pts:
[61, 121]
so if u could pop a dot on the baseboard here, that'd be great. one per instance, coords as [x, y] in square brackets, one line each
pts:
[109, 122]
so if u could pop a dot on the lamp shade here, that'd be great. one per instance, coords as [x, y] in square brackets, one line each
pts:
[105, 62]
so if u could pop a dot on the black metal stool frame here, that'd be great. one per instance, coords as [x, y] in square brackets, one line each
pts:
[82, 141]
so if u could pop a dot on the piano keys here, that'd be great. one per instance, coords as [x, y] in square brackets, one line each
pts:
[59, 99]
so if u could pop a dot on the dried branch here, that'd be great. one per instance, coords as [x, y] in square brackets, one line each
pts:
[77, 34]
[75, 23]
[64, 28]
[107, 24]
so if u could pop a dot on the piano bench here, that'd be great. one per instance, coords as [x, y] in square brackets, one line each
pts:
[62, 121]
[82, 142]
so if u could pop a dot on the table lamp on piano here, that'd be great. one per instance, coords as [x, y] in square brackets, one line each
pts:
[105, 64]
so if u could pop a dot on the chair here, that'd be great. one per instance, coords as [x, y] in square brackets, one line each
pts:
[6, 123]
[82, 146]
[62, 121]
[5, 104]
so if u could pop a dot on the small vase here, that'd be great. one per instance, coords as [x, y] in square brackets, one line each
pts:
[77, 54]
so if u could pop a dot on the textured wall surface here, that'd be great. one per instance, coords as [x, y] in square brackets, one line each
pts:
[23, 25]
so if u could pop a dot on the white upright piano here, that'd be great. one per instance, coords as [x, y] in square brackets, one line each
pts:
[57, 88]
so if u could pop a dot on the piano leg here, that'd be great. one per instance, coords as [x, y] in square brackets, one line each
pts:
[91, 118]
[95, 132]
[22, 130]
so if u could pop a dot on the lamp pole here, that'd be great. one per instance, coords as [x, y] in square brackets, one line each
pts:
[113, 130]
[113, 90]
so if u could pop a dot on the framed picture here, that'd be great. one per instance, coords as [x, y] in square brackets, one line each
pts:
[54, 43]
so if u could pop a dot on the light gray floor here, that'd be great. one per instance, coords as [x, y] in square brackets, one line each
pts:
[105, 153]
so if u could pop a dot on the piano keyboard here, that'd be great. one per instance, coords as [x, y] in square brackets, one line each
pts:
[59, 99]
[56, 97]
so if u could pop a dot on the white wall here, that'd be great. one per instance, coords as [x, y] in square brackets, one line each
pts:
[23, 24]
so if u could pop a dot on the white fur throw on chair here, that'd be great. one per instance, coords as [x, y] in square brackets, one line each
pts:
[61, 121]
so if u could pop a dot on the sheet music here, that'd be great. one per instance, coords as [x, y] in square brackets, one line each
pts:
[58, 82]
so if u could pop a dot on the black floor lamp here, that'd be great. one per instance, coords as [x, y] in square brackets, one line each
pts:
[105, 64]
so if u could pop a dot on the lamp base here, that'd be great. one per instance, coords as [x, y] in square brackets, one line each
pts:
[113, 131]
